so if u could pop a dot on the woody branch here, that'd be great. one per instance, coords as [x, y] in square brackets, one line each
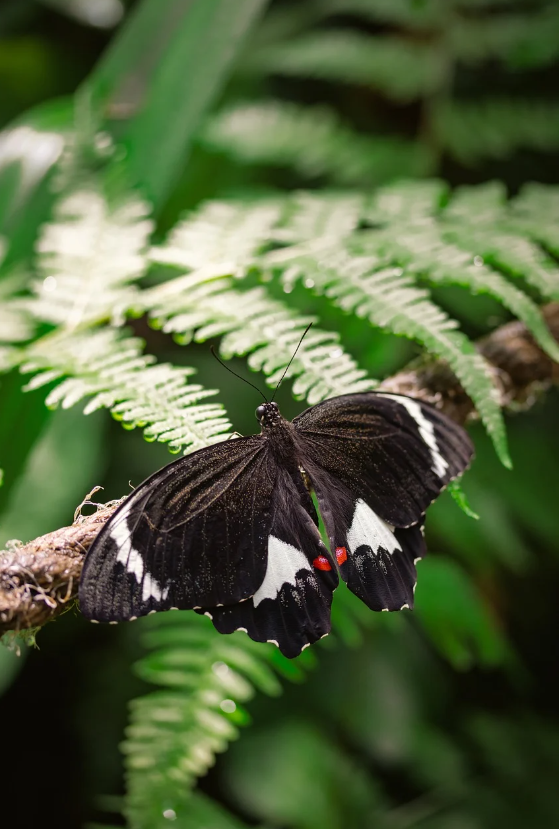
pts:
[39, 580]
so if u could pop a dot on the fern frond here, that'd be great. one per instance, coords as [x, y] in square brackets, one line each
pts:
[479, 220]
[411, 233]
[175, 733]
[535, 212]
[404, 70]
[34, 152]
[87, 258]
[310, 216]
[389, 299]
[422, 250]
[406, 201]
[520, 40]
[16, 325]
[221, 237]
[496, 128]
[313, 141]
[424, 246]
[251, 322]
[109, 367]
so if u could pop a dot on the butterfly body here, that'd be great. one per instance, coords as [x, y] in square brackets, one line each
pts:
[231, 531]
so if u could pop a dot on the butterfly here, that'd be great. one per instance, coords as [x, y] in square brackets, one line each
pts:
[231, 530]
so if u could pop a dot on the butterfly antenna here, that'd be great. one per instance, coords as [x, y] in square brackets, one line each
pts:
[212, 349]
[289, 363]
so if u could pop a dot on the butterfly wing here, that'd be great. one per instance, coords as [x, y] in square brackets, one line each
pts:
[194, 534]
[393, 452]
[376, 462]
[375, 559]
[292, 604]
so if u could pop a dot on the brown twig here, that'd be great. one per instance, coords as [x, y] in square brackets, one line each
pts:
[39, 580]
[521, 371]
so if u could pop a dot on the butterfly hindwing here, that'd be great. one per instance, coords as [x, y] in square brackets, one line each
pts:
[292, 604]
[376, 462]
[391, 451]
[381, 568]
[194, 534]
[375, 559]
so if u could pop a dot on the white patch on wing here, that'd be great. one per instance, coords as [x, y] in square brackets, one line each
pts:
[426, 430]
[133, 561]
[151, 589]
[371, 531]
[284, 562]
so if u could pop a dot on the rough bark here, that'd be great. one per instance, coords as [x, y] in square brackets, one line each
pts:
[39, 580]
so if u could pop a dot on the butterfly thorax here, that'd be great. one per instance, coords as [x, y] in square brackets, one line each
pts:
[279, 433]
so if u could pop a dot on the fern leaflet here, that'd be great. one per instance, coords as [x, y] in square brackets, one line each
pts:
[496, 128]
[175, 733]
[109, 367]
[87, 258]
[252, 323]
[312, 141]
[221, 237]
[349, 57]
[535, 212]
[15, 323]
[371, 286]
[478, 220]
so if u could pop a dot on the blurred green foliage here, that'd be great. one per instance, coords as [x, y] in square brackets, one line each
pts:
[442, 719]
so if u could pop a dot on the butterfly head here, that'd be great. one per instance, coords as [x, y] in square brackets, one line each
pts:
[268, 414]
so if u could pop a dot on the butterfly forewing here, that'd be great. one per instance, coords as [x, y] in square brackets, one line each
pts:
[194, 534]
[393, 452]
[291, 607]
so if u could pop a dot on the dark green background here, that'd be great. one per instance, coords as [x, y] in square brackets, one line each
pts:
[409, 728]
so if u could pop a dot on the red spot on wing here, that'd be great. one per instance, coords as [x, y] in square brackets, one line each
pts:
[341, 555]
[322, 563]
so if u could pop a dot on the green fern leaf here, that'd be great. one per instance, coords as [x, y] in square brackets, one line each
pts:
[482, 222]
[109, 367]
[370, 286]
[477, 216]
[402, 69]
[252, 323]
[520, 40]
[221, 237]
[535, 211]
[314, 142]
[309, 217]
[87, 257]
[16, 325]
[422, 250]
[174, 734]
[496, 128]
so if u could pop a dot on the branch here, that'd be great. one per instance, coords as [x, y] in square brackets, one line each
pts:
[39, 580]
[521, 371]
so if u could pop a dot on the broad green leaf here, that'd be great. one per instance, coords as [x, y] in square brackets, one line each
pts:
[161, 74]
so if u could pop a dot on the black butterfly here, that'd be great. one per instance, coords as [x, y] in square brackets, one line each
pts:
[231, 531]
